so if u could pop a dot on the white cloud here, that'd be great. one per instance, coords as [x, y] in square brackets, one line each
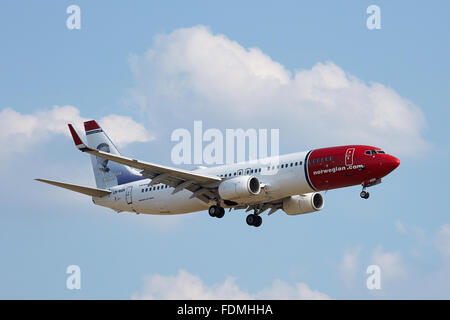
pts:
[406, 229]
[349, 267]
[195, 74]
[400, 226]
[442, 240]
[13, 123]
[20, 131]
[391, 264]
[124, 130]
[187, 286]
[285, 291]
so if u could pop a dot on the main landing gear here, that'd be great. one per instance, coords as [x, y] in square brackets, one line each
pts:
[216, 211]
[254, 219]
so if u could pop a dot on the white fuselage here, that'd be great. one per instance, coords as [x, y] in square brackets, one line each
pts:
[278, 183]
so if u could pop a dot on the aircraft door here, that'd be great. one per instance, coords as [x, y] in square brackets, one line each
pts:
[129, 195]
[349, 153]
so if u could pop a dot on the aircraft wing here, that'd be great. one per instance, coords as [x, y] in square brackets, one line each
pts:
[202, 186]
[94, 192]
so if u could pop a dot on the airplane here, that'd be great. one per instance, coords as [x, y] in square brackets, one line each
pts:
[290, 182]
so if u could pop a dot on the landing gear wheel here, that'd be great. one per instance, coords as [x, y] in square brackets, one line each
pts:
[216, 211]
[251, 219]
[258, 221]
[364, 194]
[213, 210]
[254, 220]
[220, 212]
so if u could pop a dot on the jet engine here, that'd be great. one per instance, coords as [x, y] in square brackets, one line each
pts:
[239, 187]
[303, 203]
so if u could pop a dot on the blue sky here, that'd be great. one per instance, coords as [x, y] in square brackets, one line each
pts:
[102, 70]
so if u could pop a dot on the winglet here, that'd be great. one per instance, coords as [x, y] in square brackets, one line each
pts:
[76, 139]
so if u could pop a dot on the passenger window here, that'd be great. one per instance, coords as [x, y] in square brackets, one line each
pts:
[301, 162]
[292, 164]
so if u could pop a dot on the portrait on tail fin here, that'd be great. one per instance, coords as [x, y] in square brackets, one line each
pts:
[102, 164]
[108, 176]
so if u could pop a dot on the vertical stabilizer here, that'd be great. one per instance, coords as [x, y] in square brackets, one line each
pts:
[107, 173]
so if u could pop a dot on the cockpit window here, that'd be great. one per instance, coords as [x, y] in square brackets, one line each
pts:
[373, 152]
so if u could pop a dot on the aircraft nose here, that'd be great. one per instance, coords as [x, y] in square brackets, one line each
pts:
[393, 163]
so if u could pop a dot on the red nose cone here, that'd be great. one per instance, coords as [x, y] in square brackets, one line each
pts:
[393, 163]
[396, 162]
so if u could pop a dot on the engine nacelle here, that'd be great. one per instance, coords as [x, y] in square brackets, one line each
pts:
[239, 187]
[303, 203]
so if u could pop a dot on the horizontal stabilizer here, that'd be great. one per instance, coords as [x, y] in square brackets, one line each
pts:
[94, 192]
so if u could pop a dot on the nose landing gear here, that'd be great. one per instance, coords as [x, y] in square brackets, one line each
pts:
[364, 194]
[368, 183]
